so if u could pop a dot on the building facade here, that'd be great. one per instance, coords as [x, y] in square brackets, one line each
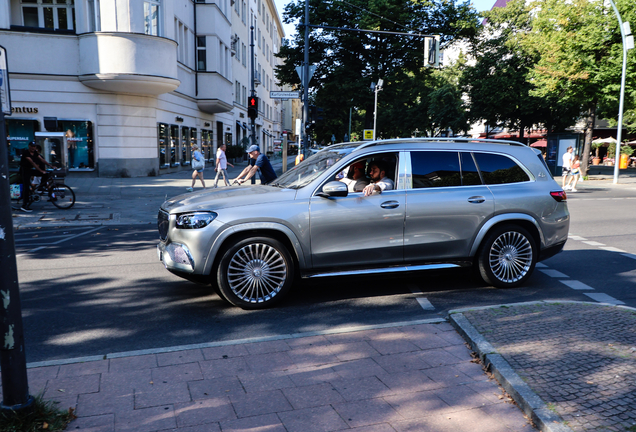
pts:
[135, 84]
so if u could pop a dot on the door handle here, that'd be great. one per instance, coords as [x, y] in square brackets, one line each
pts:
[390, 204]
[476, 199]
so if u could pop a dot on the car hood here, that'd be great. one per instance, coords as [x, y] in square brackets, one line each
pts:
[214, 199]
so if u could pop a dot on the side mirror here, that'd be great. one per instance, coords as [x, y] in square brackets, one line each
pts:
[334, 189]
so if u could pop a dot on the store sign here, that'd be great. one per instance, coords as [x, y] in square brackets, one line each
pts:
[368, 134]
[24, 110]
[5, 96]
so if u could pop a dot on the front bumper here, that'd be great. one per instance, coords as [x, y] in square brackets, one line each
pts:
[176, 256]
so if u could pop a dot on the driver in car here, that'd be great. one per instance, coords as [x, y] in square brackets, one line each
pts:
[379, 181]
[356, 180]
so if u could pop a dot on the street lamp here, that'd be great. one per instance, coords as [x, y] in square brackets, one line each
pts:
[628, 43]
[376, 88]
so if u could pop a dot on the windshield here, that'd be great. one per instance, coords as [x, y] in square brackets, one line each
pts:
[312, 168]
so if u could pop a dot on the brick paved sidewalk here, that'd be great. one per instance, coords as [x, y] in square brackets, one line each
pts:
[579, 358]
[411, 377]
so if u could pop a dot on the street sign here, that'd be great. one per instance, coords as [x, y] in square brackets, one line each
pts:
[5, 96]
[368, 134]
[299, 71]
[284, 94]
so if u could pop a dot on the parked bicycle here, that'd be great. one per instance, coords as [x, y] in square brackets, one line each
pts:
[59, 194]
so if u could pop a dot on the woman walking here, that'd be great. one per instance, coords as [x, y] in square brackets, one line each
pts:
[221, 165]
[198, 165]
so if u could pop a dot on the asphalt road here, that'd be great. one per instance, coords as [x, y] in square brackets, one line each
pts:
[95, 290]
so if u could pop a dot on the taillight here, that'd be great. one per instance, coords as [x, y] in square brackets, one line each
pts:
[559, 195]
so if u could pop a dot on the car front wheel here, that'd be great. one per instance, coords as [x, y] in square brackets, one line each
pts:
[255, 273]
[508, 257]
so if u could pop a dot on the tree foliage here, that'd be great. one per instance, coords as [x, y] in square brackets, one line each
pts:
[348, 62]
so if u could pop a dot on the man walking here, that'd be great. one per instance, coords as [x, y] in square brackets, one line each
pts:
[262, 165]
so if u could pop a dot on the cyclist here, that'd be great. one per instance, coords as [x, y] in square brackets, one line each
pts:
[30, 166]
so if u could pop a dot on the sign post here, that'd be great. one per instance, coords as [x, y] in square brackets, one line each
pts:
[284, 152]
[15, 388]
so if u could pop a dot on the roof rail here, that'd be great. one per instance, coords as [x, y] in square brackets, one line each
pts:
[433, 139]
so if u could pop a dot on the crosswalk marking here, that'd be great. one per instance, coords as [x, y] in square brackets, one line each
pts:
[554, 273]
[576, 285]
[593, 243]
[604, 298]
[426, 305]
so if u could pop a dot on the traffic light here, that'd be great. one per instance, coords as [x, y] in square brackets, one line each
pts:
[312, 114]
[252, 107]
[431, 51]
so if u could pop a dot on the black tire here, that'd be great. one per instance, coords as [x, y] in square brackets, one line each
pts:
[255, 273]
[507, 256]
[62, 196]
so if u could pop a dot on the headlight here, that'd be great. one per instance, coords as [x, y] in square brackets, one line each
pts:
[195, 220]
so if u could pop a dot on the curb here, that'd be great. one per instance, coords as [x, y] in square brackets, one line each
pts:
[529, 402]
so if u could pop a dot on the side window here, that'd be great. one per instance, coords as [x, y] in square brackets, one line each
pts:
[470, 175]
[498, 169]
[435, 169]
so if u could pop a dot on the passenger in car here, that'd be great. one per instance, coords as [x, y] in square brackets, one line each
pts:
[379, 181]
[355, 179]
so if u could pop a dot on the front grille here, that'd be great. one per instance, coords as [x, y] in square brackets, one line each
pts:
[162, 224]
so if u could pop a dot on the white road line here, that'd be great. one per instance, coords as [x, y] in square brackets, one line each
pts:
[574, 284]
[613, 249]
[426, 305]
[554, 273]
[593, 243]
[604, 298]
[629, 255]
[578, 238]
[540, 265]
[61, 241]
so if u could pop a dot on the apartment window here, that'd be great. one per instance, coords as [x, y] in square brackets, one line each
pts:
[244, 55]
[201, 54]
[237, 8]
[237, 92]
[151, 17]
[94, 20]
[243, 9]
[51, 14]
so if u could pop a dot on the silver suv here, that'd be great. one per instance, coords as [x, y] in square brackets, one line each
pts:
[454, 203]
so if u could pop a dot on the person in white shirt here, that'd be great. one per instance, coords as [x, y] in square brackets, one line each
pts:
[379, 181]
[355, 178]
[567, 165]
[221, 165]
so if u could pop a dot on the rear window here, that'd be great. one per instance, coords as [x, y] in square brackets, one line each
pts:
[499, 169]
[435, 169]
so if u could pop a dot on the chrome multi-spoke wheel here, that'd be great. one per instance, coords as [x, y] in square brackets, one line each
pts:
[507, 257]
[255, 273]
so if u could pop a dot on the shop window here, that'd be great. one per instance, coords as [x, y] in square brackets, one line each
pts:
[206, 145]
[19, 134]
[79, 140]
[48, 14]
[174, 146]
[193, 140]
[185, 146]
[151, 17]
[164, 139]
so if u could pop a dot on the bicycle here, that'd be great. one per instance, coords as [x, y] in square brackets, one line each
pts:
[59, 194]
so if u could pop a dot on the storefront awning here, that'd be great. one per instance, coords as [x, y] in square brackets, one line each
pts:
[540, 143]
[241, 125]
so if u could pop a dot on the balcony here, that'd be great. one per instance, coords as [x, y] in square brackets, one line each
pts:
[128, 63]
[215, 93]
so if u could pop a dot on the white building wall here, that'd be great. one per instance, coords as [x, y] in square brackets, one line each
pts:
[125, 83]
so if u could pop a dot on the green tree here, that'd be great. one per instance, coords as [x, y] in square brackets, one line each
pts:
[348, 62]
[579, 47]
[498, 84]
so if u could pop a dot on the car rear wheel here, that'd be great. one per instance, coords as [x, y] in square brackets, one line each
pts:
[255, 273]
[507, 257]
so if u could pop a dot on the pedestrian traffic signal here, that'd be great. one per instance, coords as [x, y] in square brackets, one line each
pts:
[252, 107]
[431, 51]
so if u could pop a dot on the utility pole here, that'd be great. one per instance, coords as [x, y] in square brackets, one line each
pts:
[306, 83]
[253, 88]
[15, 388]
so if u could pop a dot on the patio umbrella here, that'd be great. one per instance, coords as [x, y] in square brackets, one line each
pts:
[609, 140]
[540, 143]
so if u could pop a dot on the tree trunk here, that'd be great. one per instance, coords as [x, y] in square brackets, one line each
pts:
[589, 128]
